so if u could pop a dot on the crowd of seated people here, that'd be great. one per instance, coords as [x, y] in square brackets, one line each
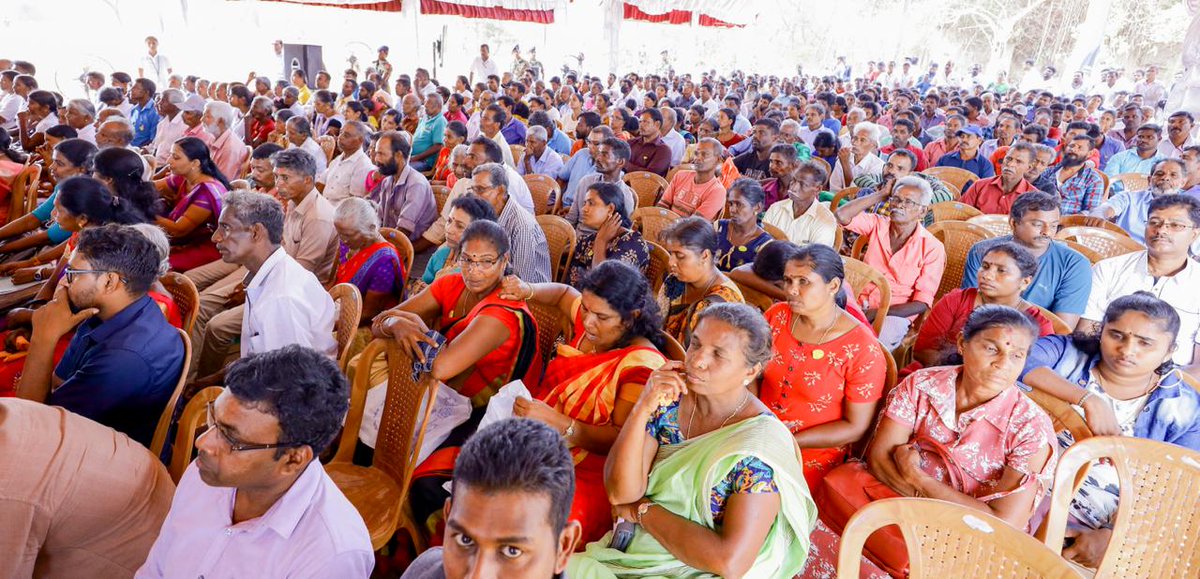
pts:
[725, 389]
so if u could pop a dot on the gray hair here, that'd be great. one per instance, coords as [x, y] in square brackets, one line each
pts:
[1039, 148]
[301, 125]
[498, 175]
[291, 90]
[82, 106]
[538, 132]
[253, 208]
[295, 159]
[264, 103]
[458, 152]
[792, 124]
[363, 130]
[173, 96]
[362, 214]
[159, 239]
[918, 184]
[873, 131]
[221, 111]
[749, 321]
[126, 134]
[715, 145]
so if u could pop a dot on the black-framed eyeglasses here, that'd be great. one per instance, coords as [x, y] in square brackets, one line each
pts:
[70, 274]
[236, 445]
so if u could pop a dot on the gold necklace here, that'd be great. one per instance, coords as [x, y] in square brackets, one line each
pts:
[818, 353]
[692, 416]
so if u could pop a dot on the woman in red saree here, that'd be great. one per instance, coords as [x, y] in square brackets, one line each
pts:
[490, 341]
[593, 383]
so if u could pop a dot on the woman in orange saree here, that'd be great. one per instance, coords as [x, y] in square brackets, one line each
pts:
[590, 387]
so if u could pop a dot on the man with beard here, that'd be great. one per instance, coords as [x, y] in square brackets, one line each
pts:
[910, 257]
[1130, 209]
[1063, 279]
[123, 362]
[1080, 187]
[995, 195]
[227, 152]
[756, 163]
[1163, 269]
[404, 196]
[1179, 135]
[1139, 158]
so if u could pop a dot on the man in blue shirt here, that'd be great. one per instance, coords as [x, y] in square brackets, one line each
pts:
[1131, 209]
[1064, 278]
[970, 137]
[583, 163]
[122, 364]
[143, 115]
[1138, 159]
[431, 132]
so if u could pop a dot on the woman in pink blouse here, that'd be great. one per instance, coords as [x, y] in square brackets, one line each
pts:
[963, 434]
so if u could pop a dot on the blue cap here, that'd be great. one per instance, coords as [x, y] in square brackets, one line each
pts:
[972, 129]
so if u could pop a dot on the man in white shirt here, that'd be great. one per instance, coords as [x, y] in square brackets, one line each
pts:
[1179, 135]
[859, 158]
[285, 303]
[299, 136]
[800, 216]
[671, 137]
[170, 126]
[347, 173]
[154, 65]
[483, 66]
[1163, 269]
[490, 125]
[486, 99]
[257, 499]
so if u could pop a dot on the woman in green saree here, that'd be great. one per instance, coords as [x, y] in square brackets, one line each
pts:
[707, 472]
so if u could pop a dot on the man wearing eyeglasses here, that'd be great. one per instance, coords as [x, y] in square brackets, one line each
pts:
[1130, 209]
[910, 257]
[1163, 269]
[123, 362]
[285, 303]
[256, 502]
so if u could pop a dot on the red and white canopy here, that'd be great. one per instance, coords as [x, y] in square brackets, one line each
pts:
[541, 11]
[720, 13]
